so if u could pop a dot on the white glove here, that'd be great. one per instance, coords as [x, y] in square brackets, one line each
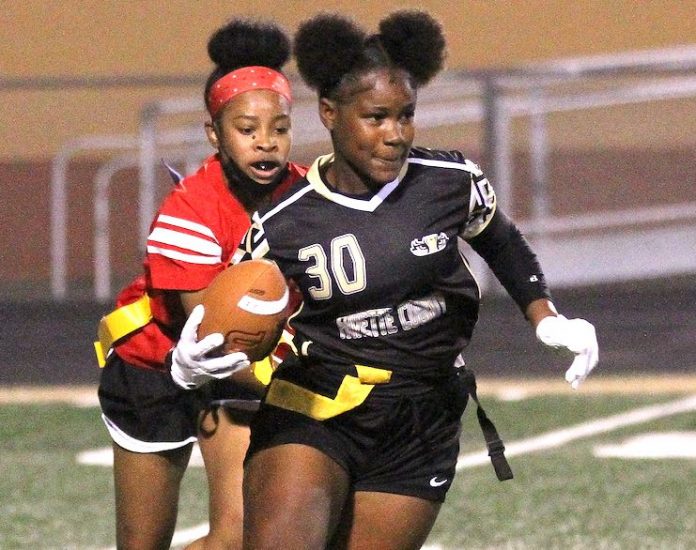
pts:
[576, 336]
[190, 367]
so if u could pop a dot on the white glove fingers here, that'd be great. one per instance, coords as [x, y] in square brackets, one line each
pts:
[228, 363]
[581, 367]
[578, 368]
[190, 330]
[207, 344]
[191, 367]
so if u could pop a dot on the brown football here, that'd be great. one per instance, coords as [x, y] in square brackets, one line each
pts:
[248, 304]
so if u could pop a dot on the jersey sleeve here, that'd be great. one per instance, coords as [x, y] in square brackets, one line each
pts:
[482, 202]
[184, 249]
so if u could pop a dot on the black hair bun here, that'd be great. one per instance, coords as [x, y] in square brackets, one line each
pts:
[246, 42]
[415, 42]
[327, 47]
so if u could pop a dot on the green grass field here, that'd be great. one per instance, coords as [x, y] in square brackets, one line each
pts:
[563, 495]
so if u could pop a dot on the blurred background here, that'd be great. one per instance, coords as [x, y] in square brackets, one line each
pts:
[581, 113]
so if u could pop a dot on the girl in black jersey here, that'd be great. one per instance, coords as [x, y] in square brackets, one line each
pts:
[356, 441]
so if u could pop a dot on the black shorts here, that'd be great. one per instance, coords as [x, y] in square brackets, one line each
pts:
[405, 445]
[146, 412]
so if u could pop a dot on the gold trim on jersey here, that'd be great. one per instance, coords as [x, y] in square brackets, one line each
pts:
[352, 392]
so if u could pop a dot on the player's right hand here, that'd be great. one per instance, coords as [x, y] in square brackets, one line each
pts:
[190, 365]
[575, 336]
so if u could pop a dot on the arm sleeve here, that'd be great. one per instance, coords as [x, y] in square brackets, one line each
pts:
[508, 254]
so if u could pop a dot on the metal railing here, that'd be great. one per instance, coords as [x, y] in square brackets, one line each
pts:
[528, 91]
[59, 200]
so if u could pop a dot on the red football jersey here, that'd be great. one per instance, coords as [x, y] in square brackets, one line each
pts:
[192, 238]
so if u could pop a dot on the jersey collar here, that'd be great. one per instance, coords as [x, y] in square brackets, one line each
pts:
[314, 179]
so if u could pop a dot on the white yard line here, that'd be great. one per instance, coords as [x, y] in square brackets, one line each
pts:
[557, 438]
[652, 445]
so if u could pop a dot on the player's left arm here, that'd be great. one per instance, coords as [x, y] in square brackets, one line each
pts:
[501, 244]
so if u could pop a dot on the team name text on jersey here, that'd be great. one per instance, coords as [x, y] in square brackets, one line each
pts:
[384, 321]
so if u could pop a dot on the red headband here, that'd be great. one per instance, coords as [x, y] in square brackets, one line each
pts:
[245, 79]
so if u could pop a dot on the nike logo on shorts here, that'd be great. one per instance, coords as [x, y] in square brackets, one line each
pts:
[434, 482]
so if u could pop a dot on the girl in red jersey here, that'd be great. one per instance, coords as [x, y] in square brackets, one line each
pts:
[154, 417]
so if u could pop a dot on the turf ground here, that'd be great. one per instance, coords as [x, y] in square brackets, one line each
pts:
[612, 466]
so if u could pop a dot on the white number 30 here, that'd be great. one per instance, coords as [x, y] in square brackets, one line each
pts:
[347, 266]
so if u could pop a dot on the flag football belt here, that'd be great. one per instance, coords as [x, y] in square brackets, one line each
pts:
[119, 323]
[496, 448]
[127, 319]
[352, 392]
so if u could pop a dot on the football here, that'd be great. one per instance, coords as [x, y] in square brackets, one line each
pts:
[249, 304]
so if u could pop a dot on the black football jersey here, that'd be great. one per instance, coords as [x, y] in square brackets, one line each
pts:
[382, 277]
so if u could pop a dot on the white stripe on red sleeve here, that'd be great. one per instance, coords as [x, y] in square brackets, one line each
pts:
[189, 258]
[186, 224]
[184, 240]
